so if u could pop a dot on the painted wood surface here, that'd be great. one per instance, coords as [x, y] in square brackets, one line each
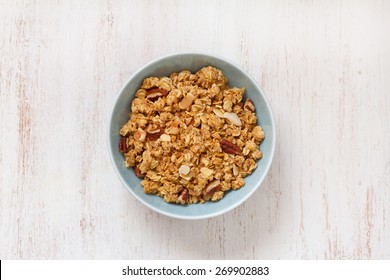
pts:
[325, 66]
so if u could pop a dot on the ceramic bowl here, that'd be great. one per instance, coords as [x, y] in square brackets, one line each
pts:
[193, 62]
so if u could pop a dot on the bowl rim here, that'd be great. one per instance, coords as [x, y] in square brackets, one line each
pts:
[233, 205]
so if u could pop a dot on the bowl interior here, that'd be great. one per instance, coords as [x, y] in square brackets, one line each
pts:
[192, 62]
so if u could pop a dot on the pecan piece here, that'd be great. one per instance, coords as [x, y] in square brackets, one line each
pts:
[229, 147]
[249, 105]
[138, 172]
[212, 187]
[122, 146]
[155, 93]
[154, 134]
[183, 197]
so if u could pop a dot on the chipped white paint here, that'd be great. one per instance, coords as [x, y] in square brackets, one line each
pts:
[325, 66]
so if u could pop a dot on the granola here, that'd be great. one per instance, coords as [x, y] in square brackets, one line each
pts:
[191, 137]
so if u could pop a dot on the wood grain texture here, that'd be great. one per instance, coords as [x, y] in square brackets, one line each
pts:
[325, 66]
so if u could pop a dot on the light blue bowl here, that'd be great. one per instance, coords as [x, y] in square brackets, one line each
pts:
[193, 62]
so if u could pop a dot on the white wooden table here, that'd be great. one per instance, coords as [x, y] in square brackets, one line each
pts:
[325, 66]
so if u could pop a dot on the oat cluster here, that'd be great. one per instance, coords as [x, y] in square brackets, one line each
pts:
[191, 137]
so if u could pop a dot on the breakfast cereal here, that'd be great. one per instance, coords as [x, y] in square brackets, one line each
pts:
[191, 137]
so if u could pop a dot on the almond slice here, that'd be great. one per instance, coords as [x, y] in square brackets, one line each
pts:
[219, 113]
[186, 101]
[184, 169]
[165, 137]
[233, 118]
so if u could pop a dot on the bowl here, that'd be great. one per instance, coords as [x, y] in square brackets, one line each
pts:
[193, 62]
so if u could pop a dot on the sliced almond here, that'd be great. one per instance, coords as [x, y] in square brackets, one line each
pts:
[165, 137]
[186, 101]
[219, 113]
[233, 118]
[184, 169]
[206, 171]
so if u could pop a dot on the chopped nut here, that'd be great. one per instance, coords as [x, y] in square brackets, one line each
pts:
[138, 172]
[183, 197]
[154, 134]
[206, 171]
[155, 93]
[140, 135]
[229, 147]
[189, 121]
[233, 118]
[165, 137]
[186, 101]
[184, 169]
[122, 146]
[213, 187]
[249, 105]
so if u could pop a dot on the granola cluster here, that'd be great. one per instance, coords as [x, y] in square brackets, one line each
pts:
[191, 137]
